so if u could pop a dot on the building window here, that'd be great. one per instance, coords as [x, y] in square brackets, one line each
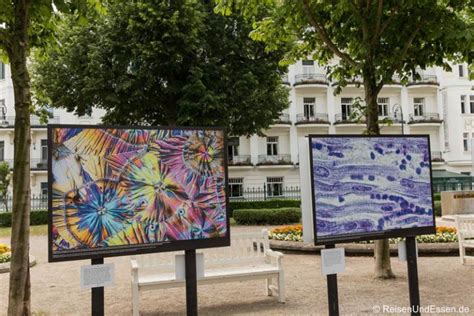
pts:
[308, 67]
[272, 146]
[461, 71]
[384, 104]
[309, 105]
[275, 186]
[44, 189]
[463, 104]
[236, 187]
[465, 141]
[44, 149]
[2, 150]
[3, 110]
[2, 70]
[346, 108]
[471, 103]
[418, 106]
[232, 148]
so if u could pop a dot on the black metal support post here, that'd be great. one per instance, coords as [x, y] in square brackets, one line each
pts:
[413, 275]
[191, 282]
[97, 300]
[333, 302]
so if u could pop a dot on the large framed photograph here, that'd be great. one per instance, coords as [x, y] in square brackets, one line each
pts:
[123, 191]
[370, 187]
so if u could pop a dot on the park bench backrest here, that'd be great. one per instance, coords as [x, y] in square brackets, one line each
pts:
[465, 226]
[246, 248]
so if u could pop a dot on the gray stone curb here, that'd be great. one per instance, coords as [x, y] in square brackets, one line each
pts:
[352, 249]
[5, 267]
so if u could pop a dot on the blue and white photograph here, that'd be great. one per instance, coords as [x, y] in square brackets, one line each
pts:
[366, 185]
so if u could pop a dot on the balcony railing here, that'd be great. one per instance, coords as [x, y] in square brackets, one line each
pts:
[38, 164]
[283, 119]
[240, 160]
[9, 121]
[424, 79]
[348, 119]
[274, 160]
[35, 164]
[284, 79]
[310, 78]
[317, 118]
[424, 118]
[391, 117]
[436, 156]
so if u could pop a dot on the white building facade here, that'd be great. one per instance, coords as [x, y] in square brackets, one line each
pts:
[441, 105]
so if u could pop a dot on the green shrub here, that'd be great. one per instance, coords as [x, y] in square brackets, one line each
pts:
[269, 204]
[437, 196]
[36, 218]
[437, 208]
[276, 216]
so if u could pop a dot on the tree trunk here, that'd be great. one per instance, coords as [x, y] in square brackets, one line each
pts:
[19, 300]
[383, 267]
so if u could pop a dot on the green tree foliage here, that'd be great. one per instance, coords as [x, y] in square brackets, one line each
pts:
[164, 63]
[373, 39]
[4, 182]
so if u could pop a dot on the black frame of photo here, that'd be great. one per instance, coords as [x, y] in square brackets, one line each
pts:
[130, 250]
[345, 238]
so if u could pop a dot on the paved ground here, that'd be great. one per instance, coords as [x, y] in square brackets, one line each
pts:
[444, 282]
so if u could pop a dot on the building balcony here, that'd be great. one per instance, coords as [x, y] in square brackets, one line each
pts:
[9, 121]
[284, 118]
[436, 156]
[240, 160]
[270, 160]
[317, 118]
[38, 164]
[311, 78]
[424, 80]
[347, 119]
[425, 118]
[285, 80]
[35, 164]
[392, 118]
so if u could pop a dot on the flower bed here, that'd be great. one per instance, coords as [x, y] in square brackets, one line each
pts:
[295, 233]
[5, 253]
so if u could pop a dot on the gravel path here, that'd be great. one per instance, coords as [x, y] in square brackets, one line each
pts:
[444, 282]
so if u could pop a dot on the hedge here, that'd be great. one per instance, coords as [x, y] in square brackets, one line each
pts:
[278, 216]
[437, 208]
[269, 204]
[437, 196]
[36, 218]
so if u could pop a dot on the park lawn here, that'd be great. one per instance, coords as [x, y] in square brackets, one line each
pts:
[34, 230]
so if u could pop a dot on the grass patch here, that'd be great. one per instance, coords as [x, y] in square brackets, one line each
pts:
[38, 230]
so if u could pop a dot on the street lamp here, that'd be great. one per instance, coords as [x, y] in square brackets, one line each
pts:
[398, 108]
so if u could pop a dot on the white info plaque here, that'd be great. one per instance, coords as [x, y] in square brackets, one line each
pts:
[332, 261]
[97, 275]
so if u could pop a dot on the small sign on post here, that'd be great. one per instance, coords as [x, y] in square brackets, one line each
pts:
[99, 275]
[332, 261]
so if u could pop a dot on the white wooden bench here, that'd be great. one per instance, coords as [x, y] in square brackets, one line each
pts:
[465, 232]
[248, 258]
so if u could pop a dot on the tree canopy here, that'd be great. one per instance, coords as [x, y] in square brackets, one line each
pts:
[164, 63]
[373, 39]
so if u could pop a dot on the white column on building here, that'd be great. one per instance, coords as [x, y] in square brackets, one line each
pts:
[332, 107]
[405, 104]
[254, 149]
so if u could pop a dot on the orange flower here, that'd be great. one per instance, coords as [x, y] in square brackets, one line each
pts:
[444, 229]
[287, 229]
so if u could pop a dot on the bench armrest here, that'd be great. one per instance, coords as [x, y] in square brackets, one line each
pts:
[276, 255]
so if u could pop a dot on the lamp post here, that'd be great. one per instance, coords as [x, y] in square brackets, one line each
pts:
[395, 108]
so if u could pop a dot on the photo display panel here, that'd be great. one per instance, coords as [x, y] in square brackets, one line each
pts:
[120, 191]
[370, 187]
